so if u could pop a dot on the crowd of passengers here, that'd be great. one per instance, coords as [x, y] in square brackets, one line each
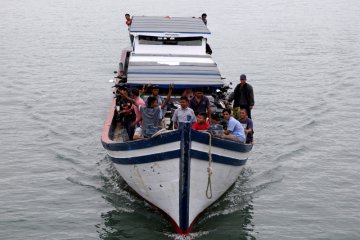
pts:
[143, 117]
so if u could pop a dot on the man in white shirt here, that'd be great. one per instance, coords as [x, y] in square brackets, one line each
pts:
[184, 113]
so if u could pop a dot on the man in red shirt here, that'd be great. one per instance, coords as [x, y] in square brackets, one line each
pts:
[201, 123]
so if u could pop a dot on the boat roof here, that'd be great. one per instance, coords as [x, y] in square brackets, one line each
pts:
[184, 71]
[177, 25]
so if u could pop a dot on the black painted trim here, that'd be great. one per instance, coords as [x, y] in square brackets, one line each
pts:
[184, 181]
[157, 157]
[201, 137]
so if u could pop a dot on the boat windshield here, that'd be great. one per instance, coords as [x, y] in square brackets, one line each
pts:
[181, 41]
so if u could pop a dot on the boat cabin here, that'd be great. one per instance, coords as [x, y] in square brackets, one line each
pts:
[170, 50]
[166, 35]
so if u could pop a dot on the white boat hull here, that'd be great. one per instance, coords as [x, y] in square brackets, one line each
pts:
[160, 173]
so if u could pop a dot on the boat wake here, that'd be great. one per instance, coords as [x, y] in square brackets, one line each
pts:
[191, 236]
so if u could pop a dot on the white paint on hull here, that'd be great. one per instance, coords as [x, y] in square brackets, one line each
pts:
[157, 182]
[221, 180]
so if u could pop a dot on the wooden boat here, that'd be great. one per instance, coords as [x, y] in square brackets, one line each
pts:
[181, 172]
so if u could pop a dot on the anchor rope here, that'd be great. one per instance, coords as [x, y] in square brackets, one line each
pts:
[209, 170]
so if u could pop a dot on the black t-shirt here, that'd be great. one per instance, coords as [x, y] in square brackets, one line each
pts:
[201, 106]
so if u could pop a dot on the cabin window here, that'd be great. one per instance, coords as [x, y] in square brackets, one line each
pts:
[188, 41]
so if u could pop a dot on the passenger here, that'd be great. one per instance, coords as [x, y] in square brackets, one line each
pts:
[128, 23]
[128, 20]
[143, 90]
[155, 93]
[184, 113]
[243, 97]
[128, 118]
[208, 49]
[247, 124]
[200, 103]
[235, 131]
[126, 115]
[121, 103]
[188, 93]
[201, 123]
[119, 88]
[203, 18]
[150, 113]
[138, 102]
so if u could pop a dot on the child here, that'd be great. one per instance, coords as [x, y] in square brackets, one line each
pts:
[201, 123]
[183, 114]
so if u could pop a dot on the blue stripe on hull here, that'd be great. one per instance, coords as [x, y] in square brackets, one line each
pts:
[145, 143]
[221, 143]
[217, 158]
[157, 157]
[173, 137]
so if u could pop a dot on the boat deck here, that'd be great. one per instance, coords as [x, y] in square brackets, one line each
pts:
[118, 133]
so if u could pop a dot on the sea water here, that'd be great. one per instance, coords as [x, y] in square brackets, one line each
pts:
[301, 180]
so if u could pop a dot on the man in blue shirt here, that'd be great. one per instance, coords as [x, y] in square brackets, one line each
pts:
[235, 131]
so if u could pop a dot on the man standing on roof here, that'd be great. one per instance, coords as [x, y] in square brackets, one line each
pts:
[128, 20]
[128, 23]
[243, 97]
[203, 18]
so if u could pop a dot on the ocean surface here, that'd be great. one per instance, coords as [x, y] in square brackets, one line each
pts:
[302, 180]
